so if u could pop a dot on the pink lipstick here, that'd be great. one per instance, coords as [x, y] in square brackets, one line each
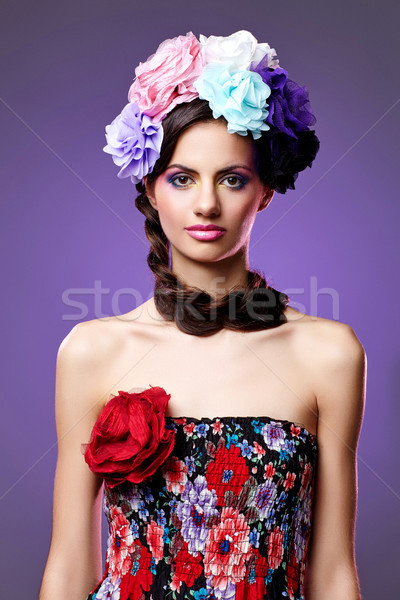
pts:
[205, 232]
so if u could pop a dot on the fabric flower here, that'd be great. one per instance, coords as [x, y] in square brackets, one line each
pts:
[240, 97]
[121, 539]
[109, 590]
[155, 540]
[227, 473]
[187, 568]
[166, 78]
[275, 548]
[175, 473]
[197, 506]
[140, 578]
[253, 586]
[274, 436]
[289, 104]
[134, 141]
[264, 498]
[227, 549]
[129, 440]
[239, 49]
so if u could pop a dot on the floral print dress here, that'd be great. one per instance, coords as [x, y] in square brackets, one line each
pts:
[206, 509]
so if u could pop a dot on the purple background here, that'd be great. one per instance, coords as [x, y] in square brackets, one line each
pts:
[67, 222]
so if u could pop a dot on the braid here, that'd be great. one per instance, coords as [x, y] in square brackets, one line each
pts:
[193, 309]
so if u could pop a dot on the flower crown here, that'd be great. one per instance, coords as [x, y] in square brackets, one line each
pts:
[240, 78]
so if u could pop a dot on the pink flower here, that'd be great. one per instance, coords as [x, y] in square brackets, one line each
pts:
[217, 426]
[275, 548]
[295, 430]
[189, 428]
[227, 549]
[289, 481]
[259, 450]
[155, 540]
[120, 542]
[166, 78]
[269, 470]
[175, 473]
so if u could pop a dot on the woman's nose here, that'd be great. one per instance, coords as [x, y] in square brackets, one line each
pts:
[207, 201]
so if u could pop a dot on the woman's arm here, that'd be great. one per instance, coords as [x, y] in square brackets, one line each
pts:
[331, 572]
[74, 563]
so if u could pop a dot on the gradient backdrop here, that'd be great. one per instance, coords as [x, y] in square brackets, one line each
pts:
[69, 225]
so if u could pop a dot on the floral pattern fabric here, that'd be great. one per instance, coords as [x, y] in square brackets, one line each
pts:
[227, 515]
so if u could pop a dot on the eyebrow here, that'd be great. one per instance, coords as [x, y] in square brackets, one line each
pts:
[225, 170]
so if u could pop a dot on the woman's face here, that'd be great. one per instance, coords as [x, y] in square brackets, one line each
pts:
[210, 180]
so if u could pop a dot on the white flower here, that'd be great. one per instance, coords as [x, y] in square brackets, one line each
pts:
[240, 49]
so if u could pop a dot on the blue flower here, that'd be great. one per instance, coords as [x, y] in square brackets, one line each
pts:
[257, 425]
[134, 141]
[153, 565]
[254, 537]
[246, 449]
[239, 96]
[227, 475]
[189, 460]
[135, 530]
[232, 440]
[281, 500]
[202, 429]
[201, 594]
[290, 446]
[143, 512]
[166, 537]
[148, 496]
[161, 520]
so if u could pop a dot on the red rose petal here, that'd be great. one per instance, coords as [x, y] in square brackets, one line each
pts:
[129, 440]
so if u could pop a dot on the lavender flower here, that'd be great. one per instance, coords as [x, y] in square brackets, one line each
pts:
[134, 141]
[198, 504]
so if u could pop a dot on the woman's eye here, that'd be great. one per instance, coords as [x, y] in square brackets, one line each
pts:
[235, 181]
[179, 180]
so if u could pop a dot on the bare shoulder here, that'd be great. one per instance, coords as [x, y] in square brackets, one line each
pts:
[89, 339]
[332, 355]
[326, 341]
[84, 354]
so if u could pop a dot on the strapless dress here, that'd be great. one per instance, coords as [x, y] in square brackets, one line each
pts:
[201, 508]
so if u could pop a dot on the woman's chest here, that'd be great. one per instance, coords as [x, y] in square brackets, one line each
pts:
[242, 375]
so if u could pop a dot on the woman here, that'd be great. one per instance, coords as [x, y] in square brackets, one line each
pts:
[223, 422]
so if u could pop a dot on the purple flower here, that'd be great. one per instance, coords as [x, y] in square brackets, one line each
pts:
[134, 142]
[198, 504]
[264, 498]
[274, 436]
[109, 590]
[222, 594]
[289, 105]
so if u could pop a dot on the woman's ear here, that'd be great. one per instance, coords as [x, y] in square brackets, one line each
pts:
[266, 199]
[150, 192]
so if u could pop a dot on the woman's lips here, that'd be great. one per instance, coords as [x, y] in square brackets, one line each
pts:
[204, 234]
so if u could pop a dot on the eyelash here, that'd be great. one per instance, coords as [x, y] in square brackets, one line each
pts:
[242, 180]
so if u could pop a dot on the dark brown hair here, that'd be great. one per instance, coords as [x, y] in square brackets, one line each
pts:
[258, 306]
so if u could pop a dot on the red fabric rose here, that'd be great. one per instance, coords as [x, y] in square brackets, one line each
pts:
[129, 440]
